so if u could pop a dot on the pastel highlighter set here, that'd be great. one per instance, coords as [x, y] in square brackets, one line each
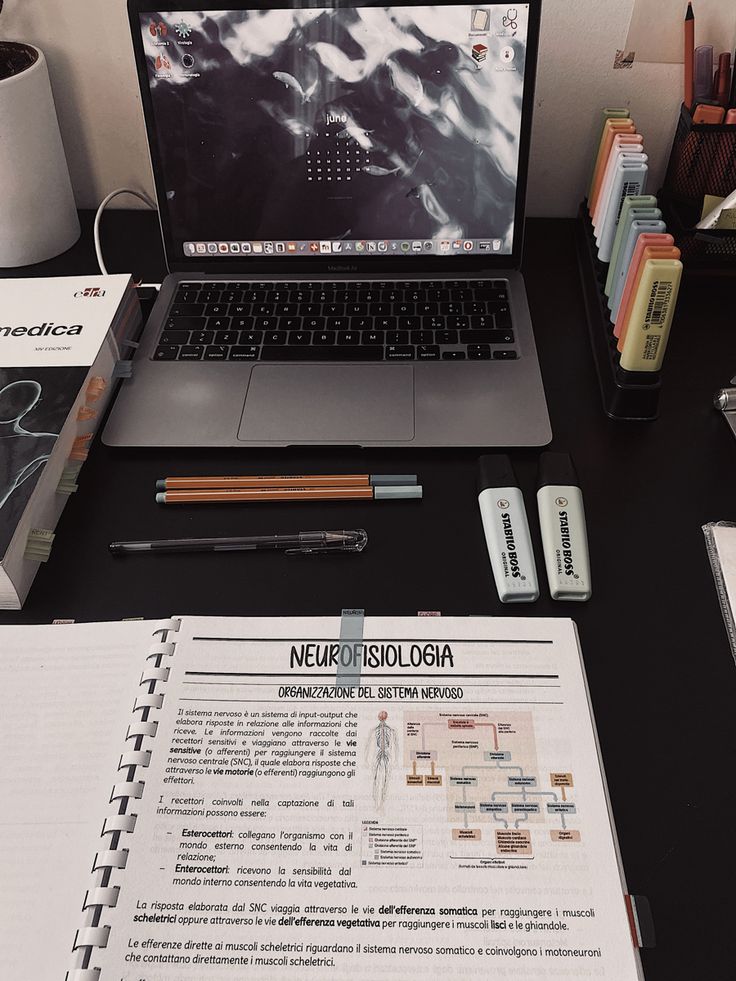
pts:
[631, 269]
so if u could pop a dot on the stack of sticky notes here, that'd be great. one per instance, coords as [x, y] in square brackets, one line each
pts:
[644, 267]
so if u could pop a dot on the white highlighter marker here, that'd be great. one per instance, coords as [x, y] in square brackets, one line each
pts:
[562, 523]
[507, 531]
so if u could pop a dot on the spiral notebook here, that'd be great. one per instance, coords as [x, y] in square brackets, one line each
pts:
[204, 798]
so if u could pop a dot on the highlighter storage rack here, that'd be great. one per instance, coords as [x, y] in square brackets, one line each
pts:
[702, 161]
[627, 395]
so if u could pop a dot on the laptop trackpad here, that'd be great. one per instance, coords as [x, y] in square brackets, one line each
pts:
[329, 403]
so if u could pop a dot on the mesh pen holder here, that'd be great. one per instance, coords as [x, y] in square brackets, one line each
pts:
[702, 161]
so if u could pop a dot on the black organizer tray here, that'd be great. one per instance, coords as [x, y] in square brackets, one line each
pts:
[631, 396]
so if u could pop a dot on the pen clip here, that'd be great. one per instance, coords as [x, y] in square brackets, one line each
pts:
[355, 544]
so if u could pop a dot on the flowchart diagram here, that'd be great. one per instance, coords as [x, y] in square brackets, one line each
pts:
[488, 765]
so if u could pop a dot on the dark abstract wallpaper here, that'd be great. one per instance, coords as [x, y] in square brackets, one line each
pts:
[352, 123]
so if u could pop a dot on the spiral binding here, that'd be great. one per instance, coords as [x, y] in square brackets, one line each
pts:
[720, 580]
[103, 894]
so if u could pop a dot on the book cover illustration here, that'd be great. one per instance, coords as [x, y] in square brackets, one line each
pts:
[34, 405]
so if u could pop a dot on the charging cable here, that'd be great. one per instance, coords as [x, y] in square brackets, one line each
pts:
[98, 218]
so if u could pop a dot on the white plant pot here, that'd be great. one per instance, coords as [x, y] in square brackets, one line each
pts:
[38, 216]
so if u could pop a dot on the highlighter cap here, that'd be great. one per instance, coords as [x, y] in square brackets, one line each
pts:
[495, 470]
[557, 470]
[393, 493]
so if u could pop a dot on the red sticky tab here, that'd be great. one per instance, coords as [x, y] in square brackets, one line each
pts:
[632, 920]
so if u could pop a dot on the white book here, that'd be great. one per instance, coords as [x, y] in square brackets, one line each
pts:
[204, 798]
[59, 343]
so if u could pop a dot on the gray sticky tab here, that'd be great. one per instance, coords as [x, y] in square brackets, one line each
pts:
[351, 634]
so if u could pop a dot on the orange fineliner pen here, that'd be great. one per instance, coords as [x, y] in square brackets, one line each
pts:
[645, 240]
[650, 252]
[610, 129]
[288, 480]
[253, 495]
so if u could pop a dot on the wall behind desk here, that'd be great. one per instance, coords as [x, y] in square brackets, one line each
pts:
[88, 49]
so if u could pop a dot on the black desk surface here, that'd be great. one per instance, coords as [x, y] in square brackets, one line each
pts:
[661, 674]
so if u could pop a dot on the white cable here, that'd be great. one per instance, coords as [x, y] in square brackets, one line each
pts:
[98, 217]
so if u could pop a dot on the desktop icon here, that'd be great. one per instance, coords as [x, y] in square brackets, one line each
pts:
[201, 248]
[370, 246]
[291, 247]
[325, 247]
[444, 245]
[212, 247]
[235, 248]
[280, 248]
[479, 53]
[507, 54]
[223, 247]
[348, 246]
[258, 247]
[245, 248]
[428, 246]
[359, 246]
[158, 29]
[497, 245]
[468, 246]
[337, 246]
[416, 246]
[268, 248]
[383, 246]
[484, 246]
[189, 248]
[183, 29]
[187, 61]
[509, 19]
[480, 19]
[457, 244]
[162, 63]
[405, 246]
[314, 246]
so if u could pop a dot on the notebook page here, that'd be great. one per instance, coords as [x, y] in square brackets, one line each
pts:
[445, 813]
[67, 695]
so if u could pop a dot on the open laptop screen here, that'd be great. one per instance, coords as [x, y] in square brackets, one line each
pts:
[355, 129]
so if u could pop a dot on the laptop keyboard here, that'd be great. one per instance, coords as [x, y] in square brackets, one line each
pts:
[424, 320]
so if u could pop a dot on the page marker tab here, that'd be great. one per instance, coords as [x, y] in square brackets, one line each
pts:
[38, 545]
[123, 369]
[68, 480]
[80, 448]
[641, 921]
[351, 648]
[85, 413]
[95, 388]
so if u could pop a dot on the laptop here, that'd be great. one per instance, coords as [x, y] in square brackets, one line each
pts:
[341, 195]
